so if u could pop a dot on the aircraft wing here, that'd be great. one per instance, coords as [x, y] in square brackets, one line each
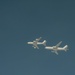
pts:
[55, 52]
[35, 45]
[58, 44]
[38, 39]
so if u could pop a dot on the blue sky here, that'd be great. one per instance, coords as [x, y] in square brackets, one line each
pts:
[22, 21]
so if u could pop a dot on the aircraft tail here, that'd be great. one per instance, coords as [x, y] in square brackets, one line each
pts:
[66, 47]
[44, 42]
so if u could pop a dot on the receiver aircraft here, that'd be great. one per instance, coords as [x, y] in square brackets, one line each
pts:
[56, 48]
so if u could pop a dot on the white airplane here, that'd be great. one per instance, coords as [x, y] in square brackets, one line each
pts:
[36, 42]
[57, 48]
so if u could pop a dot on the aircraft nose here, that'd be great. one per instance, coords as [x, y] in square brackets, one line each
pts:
[45, 47]
[27, 42]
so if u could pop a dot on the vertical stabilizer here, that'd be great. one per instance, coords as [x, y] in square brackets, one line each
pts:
[44, 42]
[66, 47]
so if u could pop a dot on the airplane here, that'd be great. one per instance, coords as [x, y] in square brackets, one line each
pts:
[56, 48]
[36, 42]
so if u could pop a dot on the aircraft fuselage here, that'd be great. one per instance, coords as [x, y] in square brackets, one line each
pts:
[54, 48]
[36, 42]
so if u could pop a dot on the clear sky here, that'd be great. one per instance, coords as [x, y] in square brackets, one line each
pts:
[25, 20]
